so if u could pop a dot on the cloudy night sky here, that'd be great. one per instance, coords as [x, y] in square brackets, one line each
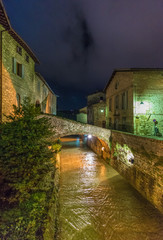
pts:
[80, 42]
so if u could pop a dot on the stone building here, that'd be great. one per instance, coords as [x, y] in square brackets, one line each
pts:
[44, 95]
[96, 109]
[134, 100]
[82, 115]
[17, 72]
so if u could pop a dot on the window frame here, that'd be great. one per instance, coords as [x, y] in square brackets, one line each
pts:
[19, 50]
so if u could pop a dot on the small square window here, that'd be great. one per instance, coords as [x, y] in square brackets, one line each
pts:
[27, 58]
[19, 50]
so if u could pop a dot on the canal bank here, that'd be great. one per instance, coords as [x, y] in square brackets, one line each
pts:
[138, 159]
[97, 203]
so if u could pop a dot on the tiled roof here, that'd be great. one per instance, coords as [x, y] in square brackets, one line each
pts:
[4, 21]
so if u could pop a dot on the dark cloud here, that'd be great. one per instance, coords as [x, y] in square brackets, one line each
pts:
[80, 42]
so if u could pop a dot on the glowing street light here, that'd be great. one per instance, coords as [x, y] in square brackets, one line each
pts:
[89, 136]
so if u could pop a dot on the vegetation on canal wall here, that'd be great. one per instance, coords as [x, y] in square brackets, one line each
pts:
[27, 175]
[138, 159]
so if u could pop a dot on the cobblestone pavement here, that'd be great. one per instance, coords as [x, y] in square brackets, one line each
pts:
[96, 203]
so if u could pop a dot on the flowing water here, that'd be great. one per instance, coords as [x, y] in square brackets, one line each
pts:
[96, 203]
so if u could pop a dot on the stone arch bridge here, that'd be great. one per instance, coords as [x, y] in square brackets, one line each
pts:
[64, 127]
[144, 174]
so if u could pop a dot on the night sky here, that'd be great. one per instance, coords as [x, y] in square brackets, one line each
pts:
[80, 42]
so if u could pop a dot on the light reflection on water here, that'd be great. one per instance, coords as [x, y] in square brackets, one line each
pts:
[96, 203]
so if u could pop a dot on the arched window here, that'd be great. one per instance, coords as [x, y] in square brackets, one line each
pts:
[37, 103]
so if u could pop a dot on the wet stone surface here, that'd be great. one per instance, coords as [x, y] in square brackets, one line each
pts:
[96, 203]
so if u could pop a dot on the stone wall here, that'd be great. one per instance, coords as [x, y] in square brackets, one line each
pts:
[12, 84]
[14, 87]
[148, 88]
[146, 172]
[122, 82]
[65, 127]
[142, 90]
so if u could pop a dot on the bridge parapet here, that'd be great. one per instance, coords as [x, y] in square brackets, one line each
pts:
[64, 127]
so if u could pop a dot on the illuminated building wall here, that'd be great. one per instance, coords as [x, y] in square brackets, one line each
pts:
[96, 109]
[44, 94]
[133, 101]
[82, 115]
[17, 72]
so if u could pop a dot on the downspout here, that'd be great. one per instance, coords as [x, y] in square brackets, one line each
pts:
[1, 67]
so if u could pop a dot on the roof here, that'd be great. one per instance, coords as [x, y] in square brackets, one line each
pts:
[129, 70]
[43, 80]
[96, 92]
[4, 21]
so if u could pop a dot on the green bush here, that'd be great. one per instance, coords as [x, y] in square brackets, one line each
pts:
[25, 161]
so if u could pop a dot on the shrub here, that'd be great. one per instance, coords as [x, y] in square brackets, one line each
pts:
[24, 153]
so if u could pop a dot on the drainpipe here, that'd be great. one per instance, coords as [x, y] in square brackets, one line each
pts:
[1, 50]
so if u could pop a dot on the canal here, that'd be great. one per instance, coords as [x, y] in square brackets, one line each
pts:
[96, 203]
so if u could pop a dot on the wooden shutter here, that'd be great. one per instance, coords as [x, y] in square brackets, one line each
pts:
[14, 65]
[22, 71]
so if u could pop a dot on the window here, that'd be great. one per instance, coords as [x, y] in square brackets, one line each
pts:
[123, 100]
[38, 86]
[37, 103]
[18, 68]
[110, 105]
[124, 123]
[27, 58]
[116, 85]
[116, 102]
[126, 99]
[110, 122]
[19, 50]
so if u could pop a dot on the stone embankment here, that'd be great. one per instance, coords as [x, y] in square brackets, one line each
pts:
[138, 159]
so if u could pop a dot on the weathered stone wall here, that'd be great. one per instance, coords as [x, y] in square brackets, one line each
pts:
[144, 89]
[148, 88]
[146, 172]
[82, 117]
[47, 99]
[14, 85]
[122, 82]
[64, 127]
[95, 98]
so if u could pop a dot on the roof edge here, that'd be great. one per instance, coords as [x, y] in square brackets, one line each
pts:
[44, 81]
[129, 70]
[16, 36]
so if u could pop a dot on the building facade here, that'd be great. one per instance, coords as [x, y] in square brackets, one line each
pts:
[133, 101]
[17, 72]
[96, 106]
[82, 115]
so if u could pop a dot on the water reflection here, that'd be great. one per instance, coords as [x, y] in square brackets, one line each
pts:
[96, 203]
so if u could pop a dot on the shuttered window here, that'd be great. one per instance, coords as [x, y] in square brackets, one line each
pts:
[18, 68]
